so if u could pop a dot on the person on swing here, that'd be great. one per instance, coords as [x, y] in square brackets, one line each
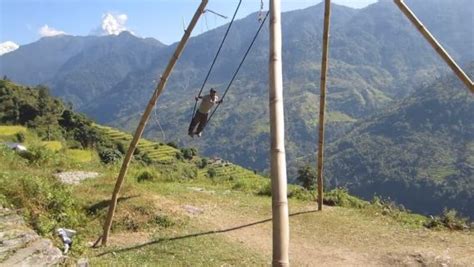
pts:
[200, 119]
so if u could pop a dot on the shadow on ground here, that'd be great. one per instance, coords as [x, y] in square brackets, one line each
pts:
[197, 234]
[95, 208]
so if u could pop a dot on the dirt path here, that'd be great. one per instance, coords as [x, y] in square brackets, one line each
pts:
[334, 237]
[339, 237]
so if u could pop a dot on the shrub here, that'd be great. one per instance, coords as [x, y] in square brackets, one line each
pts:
[122, 148]
[340, 197]
[147, 175]
[203, 163]
[189, 153]
[52, 207]
[211, 172]
[298, 192]
[449, 219]
[307, 177]
[108, 156]
[39, 155]
[265, 190]
[172, 144]
[20, 137]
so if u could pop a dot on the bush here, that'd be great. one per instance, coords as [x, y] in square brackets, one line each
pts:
[340, 197]
[203, 163]
[189, 153]
[122, 148]
[147, 175]
[307, 177]
[39, 155]
[448, 219]
[211, 172]
[172, 144]
[298, 192]
[109, 156]
[265, 190]
[20, 137]
[52, 207]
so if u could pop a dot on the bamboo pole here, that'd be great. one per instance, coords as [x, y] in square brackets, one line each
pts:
[435, 44]
[281, 232]
[141, 126]
[322, 100]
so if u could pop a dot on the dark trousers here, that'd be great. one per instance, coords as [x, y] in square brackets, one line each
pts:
[199, 118]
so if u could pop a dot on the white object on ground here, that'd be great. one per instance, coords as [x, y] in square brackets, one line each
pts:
[66, 235]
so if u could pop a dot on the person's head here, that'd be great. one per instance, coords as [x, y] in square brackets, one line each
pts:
[212, 92]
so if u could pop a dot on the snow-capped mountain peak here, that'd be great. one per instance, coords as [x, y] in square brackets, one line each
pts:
[7, 47]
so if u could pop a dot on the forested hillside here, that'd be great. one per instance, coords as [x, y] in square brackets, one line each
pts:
[419, 152]
[376, 56]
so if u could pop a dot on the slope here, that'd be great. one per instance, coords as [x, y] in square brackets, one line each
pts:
[376, 56]
[418, 152]
[190, 210]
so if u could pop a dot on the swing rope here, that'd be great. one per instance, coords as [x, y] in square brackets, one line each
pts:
[238, 68]
[215, 58]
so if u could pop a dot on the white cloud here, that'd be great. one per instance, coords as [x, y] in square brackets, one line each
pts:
[7, 47]
[113, 24]
[47, 31]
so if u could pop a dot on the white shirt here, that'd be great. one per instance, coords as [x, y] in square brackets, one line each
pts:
[207, 103]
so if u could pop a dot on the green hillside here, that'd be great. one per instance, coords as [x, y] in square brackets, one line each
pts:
[376, 57]
[418, 152]
[180, 214]
[178, 208]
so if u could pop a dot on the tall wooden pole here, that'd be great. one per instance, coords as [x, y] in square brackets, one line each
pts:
[145, 117]
[322, 100]
[281, 230]
[435, 44]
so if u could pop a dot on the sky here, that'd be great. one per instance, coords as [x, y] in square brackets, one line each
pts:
[26, 21]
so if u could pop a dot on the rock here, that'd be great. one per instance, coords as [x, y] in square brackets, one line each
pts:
[21, 246]
[75, 177]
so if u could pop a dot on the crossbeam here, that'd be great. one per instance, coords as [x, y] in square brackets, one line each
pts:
[435, 44]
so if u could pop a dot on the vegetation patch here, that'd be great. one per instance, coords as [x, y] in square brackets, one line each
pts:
[8, 130]
[52, 145]
[80, 155]
[449, 219]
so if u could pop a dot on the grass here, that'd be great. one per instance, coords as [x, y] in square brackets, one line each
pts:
[53, 145]
[11, 130]
[80, 155]
[155, 151]
[152, 227]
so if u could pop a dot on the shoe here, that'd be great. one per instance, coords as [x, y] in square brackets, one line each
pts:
[199, 134]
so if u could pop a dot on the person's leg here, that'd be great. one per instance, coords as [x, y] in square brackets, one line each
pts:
[202, 122]
[193, 124]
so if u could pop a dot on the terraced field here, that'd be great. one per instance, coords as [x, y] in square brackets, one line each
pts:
[155, 151]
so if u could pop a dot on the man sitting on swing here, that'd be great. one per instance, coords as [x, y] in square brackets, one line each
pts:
[202, 113]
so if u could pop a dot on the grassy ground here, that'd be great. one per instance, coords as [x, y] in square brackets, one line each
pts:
[11, 130]
[52, 145]
[81, 156]
[181, 213]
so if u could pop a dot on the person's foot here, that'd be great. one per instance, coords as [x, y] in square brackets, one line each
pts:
[199, 134]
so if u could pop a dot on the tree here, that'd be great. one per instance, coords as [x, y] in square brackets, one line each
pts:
[307, 177]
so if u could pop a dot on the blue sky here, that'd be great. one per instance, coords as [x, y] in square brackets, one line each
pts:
[25, 21]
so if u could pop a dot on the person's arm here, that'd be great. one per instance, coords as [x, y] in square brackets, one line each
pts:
[197, 97]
